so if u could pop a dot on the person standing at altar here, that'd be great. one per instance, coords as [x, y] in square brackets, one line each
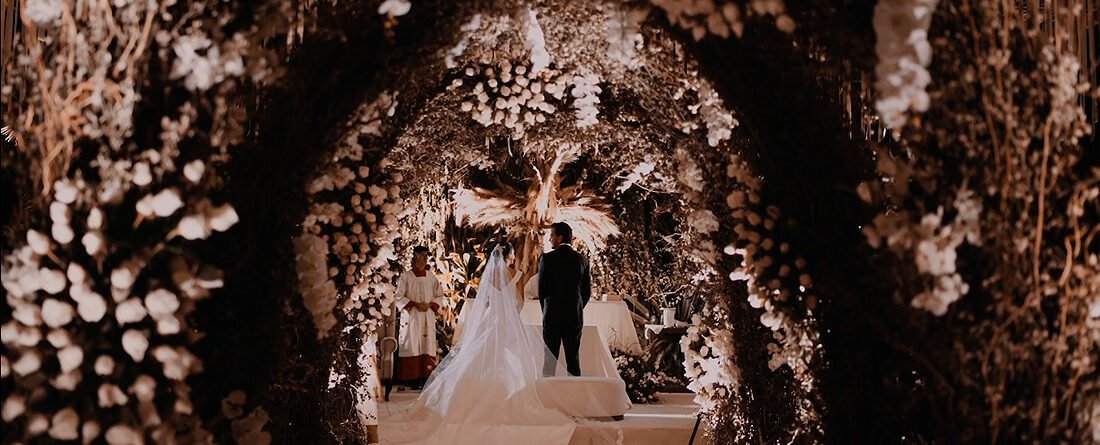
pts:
[420, 296]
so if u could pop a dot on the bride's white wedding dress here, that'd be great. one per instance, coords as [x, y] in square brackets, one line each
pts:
[484, 391]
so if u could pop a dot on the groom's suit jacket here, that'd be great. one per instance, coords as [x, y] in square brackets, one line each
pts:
[565, 286]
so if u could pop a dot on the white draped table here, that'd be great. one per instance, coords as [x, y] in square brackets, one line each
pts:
[612, 318]
[598, 392]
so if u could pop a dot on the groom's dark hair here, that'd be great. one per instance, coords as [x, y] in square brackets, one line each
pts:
[564, 231]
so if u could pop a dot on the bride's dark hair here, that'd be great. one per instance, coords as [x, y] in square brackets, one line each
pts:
[505, 248]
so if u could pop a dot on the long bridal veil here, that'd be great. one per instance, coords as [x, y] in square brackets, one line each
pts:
[484, 391]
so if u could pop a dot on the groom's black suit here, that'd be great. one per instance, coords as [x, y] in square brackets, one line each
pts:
[565, 286]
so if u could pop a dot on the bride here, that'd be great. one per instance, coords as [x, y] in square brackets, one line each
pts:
[484, 391]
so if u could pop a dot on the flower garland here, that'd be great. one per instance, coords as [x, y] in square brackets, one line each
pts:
[901, 28]
[722, 18]
[776, 279]
[347, 240]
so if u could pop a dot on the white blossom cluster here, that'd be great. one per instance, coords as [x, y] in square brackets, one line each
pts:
[201, 64]
[624, 36]
[903, 50]
[702, 222]
[345, 249]
[66, 311]
[318, 291]
[720, 122]
[373, 295]
[586, 94]
[642, 381]
[709, 364]
[721, 18]
[932, 243]
[774, 276]
[512, 95]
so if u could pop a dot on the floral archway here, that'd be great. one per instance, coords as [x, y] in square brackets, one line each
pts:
[932, 175]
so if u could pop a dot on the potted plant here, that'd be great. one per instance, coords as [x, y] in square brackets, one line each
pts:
[670, 305]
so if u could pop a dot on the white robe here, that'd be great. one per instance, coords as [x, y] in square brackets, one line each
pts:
[418, 328]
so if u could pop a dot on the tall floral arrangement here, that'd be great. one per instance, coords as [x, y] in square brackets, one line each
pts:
[997, 227]
[102, 287]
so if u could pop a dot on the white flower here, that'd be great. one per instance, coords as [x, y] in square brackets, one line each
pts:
[122, 434]
[166, 202]
[144, 388]
[91, 307]
[161, 302]
[168, 325]
[903, 50]
[104, 365]
[43, 12]
[123, 276]
[90, 431]
[177, 362]
[135, 343]
[39, 242]
[76, 273]
[56, 313]
[29, 362]
[223, 217]
[199, 72]
[64, 424]
[130, 311]
[62, 233]
[586, 94]
[194, 170]
[59, 338]
[14, 406]
[28, 314]
[70, 358]
[65, 191]
[37, 424]
[110, 395]
[193, 227]
[66, 381]
[59, 212]
[394, 8]
[52, 281]
[95, 218]
[142, 176]
[93, 243]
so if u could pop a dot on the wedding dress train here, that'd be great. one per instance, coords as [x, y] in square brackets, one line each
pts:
[484, 391]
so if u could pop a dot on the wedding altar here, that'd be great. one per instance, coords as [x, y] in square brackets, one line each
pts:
[612, 318]
[598, 392]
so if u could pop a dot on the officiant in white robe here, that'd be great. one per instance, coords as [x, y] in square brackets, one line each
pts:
[419, 297]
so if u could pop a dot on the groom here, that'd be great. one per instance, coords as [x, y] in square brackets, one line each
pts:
[565, 285]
